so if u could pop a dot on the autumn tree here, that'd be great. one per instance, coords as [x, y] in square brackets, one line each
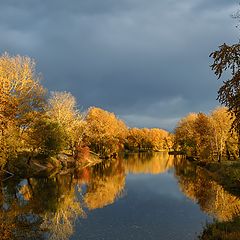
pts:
[207, 136]
[105, 133]
[22, 96]
[21, 99]
[223, 139]
[159, 139]
[144, 139]
[193, 135]
[135, 139]
[169, 141]
[184, 135]
[62, 108]
[227, 59]
[203, 136]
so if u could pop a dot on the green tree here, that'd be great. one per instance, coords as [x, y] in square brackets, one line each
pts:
[46, 137]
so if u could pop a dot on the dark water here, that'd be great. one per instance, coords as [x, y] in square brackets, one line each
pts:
[147, 196]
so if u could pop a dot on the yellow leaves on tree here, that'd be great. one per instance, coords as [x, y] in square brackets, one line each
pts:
[21, 93]
[62, 108]
[105, 133]
[206, 136]
[21, 99]
[149, 139]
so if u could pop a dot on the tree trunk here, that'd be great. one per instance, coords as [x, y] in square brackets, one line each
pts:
[238, 142]
[219, 157]
[227, 152]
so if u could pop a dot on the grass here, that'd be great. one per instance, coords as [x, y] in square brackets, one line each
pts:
[222, 230]
[226, 174]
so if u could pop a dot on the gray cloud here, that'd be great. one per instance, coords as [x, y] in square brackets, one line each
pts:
[146, 60]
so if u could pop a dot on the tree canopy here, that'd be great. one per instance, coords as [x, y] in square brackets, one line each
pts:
[227, 59]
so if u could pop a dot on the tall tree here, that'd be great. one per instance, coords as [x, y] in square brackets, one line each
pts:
[22, 99]
[203, 135]
[21, 96]
[105, 133]
[221, 122]
[227, 59]
[185, 134]
[62, 108]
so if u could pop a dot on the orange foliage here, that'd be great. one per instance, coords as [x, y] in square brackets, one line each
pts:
[105, 133]
[149, 139]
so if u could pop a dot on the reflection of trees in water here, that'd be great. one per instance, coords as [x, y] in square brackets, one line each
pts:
[107, 179]
[49, 206]
[6, 226]
[148, 163]
[60, 223]
[19, 222]
[42, 206]
[106, 184]
[195, 182]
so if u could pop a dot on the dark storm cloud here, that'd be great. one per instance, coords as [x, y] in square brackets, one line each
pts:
[146, 60]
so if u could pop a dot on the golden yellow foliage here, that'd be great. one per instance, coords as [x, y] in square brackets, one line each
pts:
[21, 100]
[21, 93]
[104, 133]
[149, 139]
[207, 136]
[62, 108]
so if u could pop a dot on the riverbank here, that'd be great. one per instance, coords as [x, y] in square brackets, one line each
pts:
[23, 166]
[225, 173]
[222, 230]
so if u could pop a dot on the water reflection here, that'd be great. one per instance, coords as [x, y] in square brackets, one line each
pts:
[40, 207]
[196, 183]
[148, 163]
[105, 185]
[46, 208]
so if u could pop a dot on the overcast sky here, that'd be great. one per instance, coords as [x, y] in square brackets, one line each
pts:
[145, 60]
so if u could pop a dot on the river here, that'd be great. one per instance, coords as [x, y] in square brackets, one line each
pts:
[141, 196]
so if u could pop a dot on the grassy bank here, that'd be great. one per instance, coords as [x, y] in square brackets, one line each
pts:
[226, 174]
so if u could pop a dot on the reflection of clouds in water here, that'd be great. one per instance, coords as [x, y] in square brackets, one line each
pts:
[162, 185]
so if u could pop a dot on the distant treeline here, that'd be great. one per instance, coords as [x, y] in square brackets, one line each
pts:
[35, 123]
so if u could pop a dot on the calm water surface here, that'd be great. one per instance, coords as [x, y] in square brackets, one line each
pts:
[142, 196]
